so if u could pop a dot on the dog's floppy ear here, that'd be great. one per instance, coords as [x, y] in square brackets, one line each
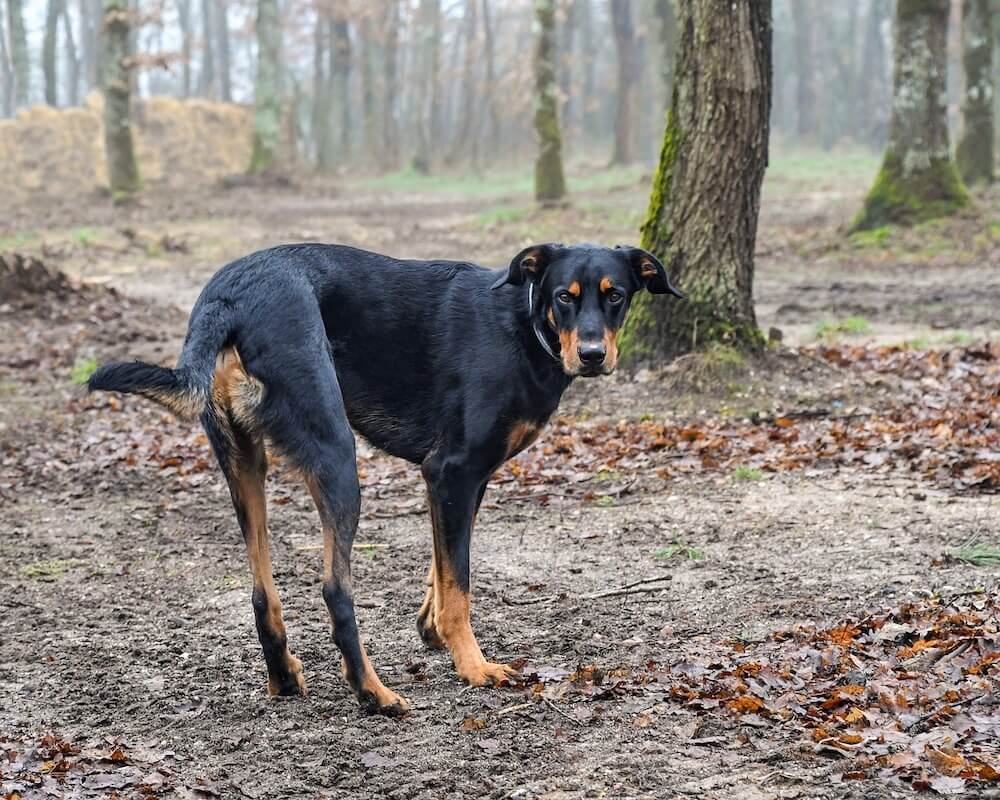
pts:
[530, 264]
[650, 271]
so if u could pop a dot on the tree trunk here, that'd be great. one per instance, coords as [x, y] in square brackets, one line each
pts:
[6, 73]
[223, 49]
[340, 71]
[206, 79]
[49, 63]
[702, 219]
[918, 179]
[588, 91]
[567, 58]
[429, 61]
[184, 22]
[875, 97]
[493, 124]
[19, 53]
[390, 66]
[123, 170]
[369, 54]
[467, 106]
[667, 24]
[805, 93]
[72, 59]
[627, 49]
[550, 185]
[974, 156]
[320, 128]
[267, 92]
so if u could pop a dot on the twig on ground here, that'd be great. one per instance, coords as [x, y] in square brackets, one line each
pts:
[558, 710]
[636, 587]
[512, 709]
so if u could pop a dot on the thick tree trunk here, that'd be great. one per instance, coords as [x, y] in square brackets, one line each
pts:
[123, 170]
[918, 179]
[974, 156]
[628, 81]
[267, 92]
[19, 53]
[805, 92]
[49, 62]
[184, 22]
[223, 50]
[702, 219]
[390, 67]
[875, 95]
[206, 79]
[550, 185]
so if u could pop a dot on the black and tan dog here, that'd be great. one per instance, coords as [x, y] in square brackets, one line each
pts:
[445, 364]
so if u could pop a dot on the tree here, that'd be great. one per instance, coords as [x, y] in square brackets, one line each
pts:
[918, 179]
[340, 77]
[874, 87]
[119, 147]
[184, 22]
[49, 42]
[702, 218]
[550, 185]
[19, 53]
[628, 81]
[206, 79]
[267, 94]
[428, 78]
[390, 68]
[667, 23]
[72, 59]
[221, 25]
[974, 156]
[470, 61]
[805, 93]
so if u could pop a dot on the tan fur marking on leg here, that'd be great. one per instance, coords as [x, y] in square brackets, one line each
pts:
[522, 435]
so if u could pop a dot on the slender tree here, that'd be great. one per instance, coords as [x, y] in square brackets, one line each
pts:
[369, 55]
[184, 22]
[428, 79]
[918, 179]
[875, 95]
[805, 92]
[223, 50]
[550, 185]
[390, 68]
[19, 53]
[72, 58]
[49, 42]
[267, 94]
[119, 147]
[974, 155]
[702, 219]
[6, 71]
[667, 24]
[206, 79]
[628, 80]
[340, 78]
[464, 139]
[588, 90]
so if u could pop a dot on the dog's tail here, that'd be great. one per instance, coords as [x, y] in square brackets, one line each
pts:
[186, 388]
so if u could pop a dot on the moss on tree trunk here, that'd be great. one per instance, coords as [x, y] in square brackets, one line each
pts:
[550, 185]
[918, 179]
[974, 156]
[267, 91]
[119, 146]
[705, 199]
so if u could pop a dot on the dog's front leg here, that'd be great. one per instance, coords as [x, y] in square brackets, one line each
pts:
[454, 493]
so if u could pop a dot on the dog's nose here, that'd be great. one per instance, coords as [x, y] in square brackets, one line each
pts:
[591, 353]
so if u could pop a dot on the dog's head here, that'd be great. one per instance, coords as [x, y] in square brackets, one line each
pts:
[583, 294]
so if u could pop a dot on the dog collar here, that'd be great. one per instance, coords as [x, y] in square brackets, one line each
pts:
[539, 334]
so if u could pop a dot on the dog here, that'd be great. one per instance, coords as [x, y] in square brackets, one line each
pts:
[446, 364]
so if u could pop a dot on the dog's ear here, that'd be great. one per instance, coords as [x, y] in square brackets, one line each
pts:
[530, 264]
[650, 271]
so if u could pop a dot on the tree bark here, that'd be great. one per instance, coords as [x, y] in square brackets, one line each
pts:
[567, 65]
[805, 93]
[974, 156]
[123, 170]
[267, 93]
[702, 218]
[470, 60]
[369, 54]
[493, 117]
[19, 53]
[588, 91]
[550, 185]
[223, 50]
[628, 78]
[875, 96]
[918, 179]
[340, 76]
[49, 61]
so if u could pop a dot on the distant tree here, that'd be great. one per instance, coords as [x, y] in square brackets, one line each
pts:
[464, 142]
[918, 179]
[628, 81]
[550, 185]
[390, 69]
[369, 54]
[19, 53]
[340, 79]
[490, 99]
[6, 71]
[974, 155]
[805, 92]
[267, 91]
[874, 88]
[221, 26]
[567, 61]
[705, 200]
[428, 70]
[72, 58]
[49, 42]
[184, 22]
[667, 33]
[115, 57]
[91, 14]
[588, 89]
[206, 78]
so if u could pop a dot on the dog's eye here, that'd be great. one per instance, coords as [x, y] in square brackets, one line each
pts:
[615, 297]
[565, 297]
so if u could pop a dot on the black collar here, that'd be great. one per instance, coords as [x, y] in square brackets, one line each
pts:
[536, 322]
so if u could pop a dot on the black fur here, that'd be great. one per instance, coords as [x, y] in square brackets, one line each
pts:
[436, 362]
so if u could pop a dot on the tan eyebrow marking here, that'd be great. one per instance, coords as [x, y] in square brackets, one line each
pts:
[606, 284]
[574, 288]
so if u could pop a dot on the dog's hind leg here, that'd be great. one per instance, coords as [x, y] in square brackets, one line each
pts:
[243, 459]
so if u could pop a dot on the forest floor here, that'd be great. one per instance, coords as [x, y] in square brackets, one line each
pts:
[722, 579]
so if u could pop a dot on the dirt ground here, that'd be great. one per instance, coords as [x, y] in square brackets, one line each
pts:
[127, 634]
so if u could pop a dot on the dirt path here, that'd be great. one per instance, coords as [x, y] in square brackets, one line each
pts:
[127, 629]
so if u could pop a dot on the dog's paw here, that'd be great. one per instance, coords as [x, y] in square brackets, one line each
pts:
[291, 684]
[385, 702]
[487, 673]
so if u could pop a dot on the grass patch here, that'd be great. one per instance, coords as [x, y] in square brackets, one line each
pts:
[876, 237]
[920, 343]
[745, 474]
[820, 166]
[851, 326]
[678, 549]
[85, 237]
[17, 240]
[82, 370]
[49, 570]
[961, 338]
[979, 555]
[502, 215]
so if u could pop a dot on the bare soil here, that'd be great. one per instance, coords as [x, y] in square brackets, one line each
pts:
[127, 628]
